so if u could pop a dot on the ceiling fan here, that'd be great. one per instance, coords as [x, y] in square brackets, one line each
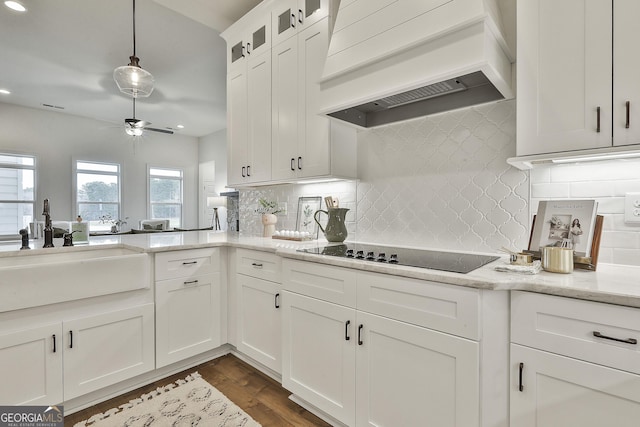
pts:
[135, 127]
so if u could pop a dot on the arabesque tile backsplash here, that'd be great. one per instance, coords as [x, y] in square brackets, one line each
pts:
[443, 182]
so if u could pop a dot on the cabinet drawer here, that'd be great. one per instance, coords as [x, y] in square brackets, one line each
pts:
[187, 263]
[325, 282]
[262, 265]
[568, 326]
[446, 308]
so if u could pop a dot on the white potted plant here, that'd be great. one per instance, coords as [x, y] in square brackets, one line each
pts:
[268, 209]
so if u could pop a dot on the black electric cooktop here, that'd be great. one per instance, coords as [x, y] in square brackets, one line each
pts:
[436, 260]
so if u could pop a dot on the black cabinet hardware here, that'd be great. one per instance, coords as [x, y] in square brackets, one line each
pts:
[293, 20]
[277, 303]
[191, 282]
[605, 337]
[300, 15]
[292, 164]
[54, 342]
[520, 369]
[346, 330]
[628, 107]
[70, 339]
[189, 262]
[360, 342]
[598, 120]
[300, 163]
[244, 175]
[248, 48]
[256, 264]
[248, 170]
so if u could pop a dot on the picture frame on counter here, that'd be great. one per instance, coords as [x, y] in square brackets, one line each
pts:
[307, 207]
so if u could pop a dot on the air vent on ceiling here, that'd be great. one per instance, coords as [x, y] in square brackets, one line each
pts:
[53, 106]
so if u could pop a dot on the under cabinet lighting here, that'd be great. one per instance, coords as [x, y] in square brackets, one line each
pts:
[596, 157]
[14, 5]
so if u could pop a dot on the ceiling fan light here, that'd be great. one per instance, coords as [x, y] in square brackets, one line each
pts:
[134, 131]
[134, 81]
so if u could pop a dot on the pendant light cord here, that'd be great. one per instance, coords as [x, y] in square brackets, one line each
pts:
[134, 27]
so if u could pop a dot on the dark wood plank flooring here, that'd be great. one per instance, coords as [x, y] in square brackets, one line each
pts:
[256, 393]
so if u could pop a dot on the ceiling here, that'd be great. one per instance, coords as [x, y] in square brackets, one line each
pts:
[62, 53]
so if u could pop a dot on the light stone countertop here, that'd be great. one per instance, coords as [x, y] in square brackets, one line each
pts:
[615, 284]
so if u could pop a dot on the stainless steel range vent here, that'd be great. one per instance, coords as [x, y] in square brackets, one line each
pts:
[422, 93]
[470, 89]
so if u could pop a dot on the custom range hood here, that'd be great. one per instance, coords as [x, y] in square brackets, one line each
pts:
[393, 60]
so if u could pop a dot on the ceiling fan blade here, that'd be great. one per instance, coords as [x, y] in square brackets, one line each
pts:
[170, 132]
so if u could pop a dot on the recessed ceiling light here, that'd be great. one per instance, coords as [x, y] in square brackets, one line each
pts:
[18, 7]
[4, 92]
[180, 127]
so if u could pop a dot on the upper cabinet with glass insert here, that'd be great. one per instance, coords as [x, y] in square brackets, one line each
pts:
[290, 16]
[253, 40]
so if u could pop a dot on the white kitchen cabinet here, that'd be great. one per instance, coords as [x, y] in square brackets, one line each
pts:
[561, 391]
[346, 353]
[252, 41]
[259, 301]
[31, 366]
[188, 306]
[318, 360]
[106, 348]
[291, 16]
[249, 121]
[567, 99]
[573, 362]
[304, 143]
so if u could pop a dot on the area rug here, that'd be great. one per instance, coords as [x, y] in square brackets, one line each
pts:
[189, 402]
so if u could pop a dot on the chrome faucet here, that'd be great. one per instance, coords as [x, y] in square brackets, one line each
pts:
[48, 229]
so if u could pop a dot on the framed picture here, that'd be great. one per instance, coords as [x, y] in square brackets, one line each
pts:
[568, 223]
[307, 206]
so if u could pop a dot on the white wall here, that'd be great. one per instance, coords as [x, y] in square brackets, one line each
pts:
[213, 171]
[56, 139]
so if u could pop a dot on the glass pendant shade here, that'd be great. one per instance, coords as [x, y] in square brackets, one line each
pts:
[133, 80]
[134, 131]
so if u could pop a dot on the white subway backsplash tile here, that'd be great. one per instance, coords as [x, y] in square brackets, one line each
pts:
[550, 190]
[591, 189]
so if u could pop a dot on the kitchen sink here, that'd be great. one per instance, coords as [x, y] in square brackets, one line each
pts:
[52, 276]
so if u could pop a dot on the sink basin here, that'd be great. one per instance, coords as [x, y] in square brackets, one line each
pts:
[50, 276]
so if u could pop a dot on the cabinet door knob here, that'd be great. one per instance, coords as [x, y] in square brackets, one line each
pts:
[628, 107]
[360, 342]
[598, 119]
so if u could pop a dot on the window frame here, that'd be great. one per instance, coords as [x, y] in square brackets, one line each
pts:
[34, 168]
[118, 174]
[150, 204]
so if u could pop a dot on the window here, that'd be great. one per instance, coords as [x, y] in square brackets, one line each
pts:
[98, 193]
[17, 193]
[165, 195]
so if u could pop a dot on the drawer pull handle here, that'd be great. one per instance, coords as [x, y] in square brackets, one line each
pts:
[598, 119]
[70, 339]
[627, 341]
[256, 264]
[191, 282]
[277, 303]
[54, 343]
[360, 342]
[190, 262]
[627, 107]
[520, 369]
[346, 330]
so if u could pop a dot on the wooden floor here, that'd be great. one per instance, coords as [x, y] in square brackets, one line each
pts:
[257, 394]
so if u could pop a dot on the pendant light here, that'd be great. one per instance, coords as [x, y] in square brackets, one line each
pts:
[132, 79]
